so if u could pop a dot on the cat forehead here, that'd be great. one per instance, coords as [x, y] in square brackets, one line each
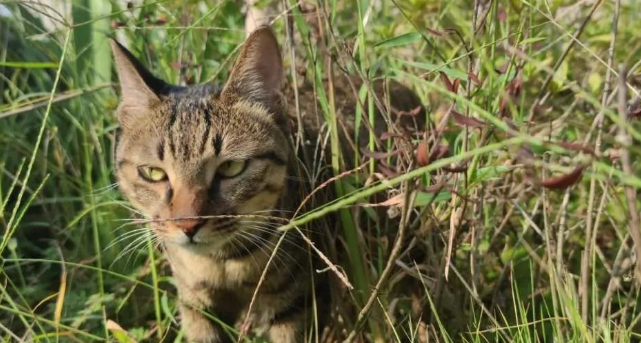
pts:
[194, 123]
[202, 106]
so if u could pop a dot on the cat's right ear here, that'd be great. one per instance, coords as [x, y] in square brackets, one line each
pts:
[257, 75]
[139, 88]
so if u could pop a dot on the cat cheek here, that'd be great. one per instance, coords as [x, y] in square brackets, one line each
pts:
[275, 180]
[144, 199]
[130, 194]
[264, 200]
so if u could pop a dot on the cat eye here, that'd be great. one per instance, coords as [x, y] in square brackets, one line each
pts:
[152, 174]
[231, 168]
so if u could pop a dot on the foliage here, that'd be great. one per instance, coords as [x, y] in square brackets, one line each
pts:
[512, 196]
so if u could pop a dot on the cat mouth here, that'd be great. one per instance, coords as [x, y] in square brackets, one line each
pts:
[208, 235]
[212, 235]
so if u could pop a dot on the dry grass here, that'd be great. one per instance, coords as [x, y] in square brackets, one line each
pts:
[508, 214]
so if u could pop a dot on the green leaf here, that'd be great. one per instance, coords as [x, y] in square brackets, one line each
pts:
[424, 198]
[100, 44]
[533, 40]
[118, 332]
[487, 173]
[164, 303]
[29, 65]
[120, 336]
[404, 39]
[81, 14]
[560, 77]
[594, 81]
[13, 244]
[604, 38]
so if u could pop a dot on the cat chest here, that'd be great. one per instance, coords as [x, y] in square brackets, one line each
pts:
[202, 273]
[227, 286]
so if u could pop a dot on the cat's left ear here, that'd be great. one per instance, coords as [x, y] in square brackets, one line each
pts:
[258, 72]
[139, 87]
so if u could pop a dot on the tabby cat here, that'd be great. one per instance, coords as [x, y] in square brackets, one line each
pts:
[211, 168]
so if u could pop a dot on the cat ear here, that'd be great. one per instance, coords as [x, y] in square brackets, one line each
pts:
[139, 87]
[257, 74]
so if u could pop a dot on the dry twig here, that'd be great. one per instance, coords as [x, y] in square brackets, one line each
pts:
[585, 262]
[398, 244]
[630, 192]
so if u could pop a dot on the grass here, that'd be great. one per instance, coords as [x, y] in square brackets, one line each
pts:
[523, 232]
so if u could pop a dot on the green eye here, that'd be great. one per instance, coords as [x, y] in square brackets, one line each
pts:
[231, 168]
[152, 174]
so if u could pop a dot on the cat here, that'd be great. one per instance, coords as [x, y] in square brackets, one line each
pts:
[215, 171]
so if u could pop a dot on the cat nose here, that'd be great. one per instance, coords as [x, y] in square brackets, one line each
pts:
[190, 226]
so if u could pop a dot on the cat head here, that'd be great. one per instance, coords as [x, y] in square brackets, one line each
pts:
[187, 157]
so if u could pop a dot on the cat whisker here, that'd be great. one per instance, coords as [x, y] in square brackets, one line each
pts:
[265, 224]
[127, 235]
[133, 246]
[123, 226]
[105, 189]
[272, 210]
[134, 231]
[130, 208]
[253, 236]
[240, 243]
[134, 253]
[256, 240]
[286, 240]
[299, 179]
[132, 220]
[281, 256]
[226, 216]
[268, 225]
[275, 226]
[138, 248]
[156, 241]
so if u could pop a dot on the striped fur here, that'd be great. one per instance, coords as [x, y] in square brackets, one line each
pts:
[188, 132]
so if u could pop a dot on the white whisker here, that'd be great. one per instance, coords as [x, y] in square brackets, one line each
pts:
[271, 245]
[134, 245]
[251, 238]
[127, 235]
[103, 190]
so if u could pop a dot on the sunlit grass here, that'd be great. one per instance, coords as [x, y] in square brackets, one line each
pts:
[488, 256]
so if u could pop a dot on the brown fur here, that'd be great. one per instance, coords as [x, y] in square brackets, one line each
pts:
[188, 133]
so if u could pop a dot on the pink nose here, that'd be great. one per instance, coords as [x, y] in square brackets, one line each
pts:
[190, 226]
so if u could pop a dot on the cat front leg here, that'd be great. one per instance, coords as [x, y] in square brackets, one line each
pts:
[200, 329]
[289, 316]
[287, 330]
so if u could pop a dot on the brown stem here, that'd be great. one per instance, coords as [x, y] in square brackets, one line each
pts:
[630, 192]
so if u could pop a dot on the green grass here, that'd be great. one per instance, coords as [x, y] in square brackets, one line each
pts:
[490, 255]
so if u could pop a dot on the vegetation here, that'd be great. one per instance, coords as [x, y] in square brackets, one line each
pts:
[519, 193]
